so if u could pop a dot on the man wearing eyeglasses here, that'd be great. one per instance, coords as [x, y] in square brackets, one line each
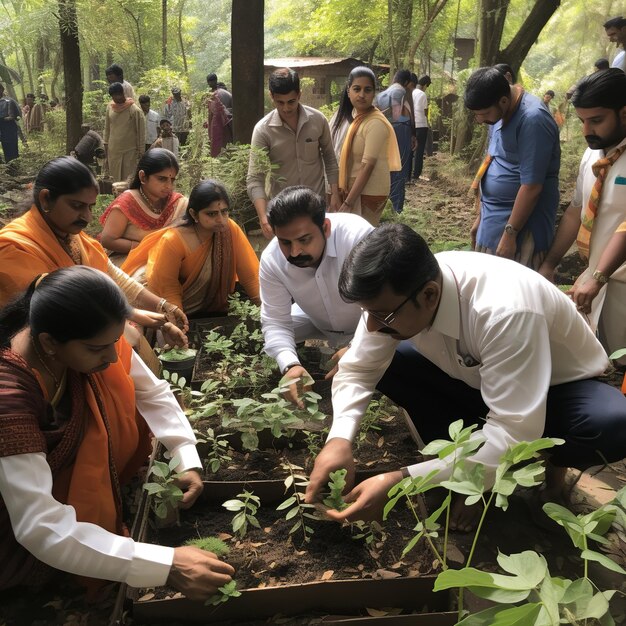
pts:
[497, 345]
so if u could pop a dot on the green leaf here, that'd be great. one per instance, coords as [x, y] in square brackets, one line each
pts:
[527, 566]
[524, 615]
[501, 596]
[591, 555]
[287, 503]
[253, 521]
[153, 488]
[291, 513]
[160, 469]
[618, 354]
[233, 505]
[239, 523]
[249, 440]
[409, 546]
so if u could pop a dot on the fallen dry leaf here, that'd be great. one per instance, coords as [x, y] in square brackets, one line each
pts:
[455, 555]
[224, 536]
[385, 574]
[328, 574]
[146, 597]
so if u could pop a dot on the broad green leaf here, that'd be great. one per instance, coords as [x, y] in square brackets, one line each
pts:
[409, 546]
[253, 521]
[233, 505]
[466, 577]
[239, 522]
[160, 469]
[291, 513]
[287, 503]
[577, 589]
[528, 566]
[153, 488]
[501, 596]
[497, 616]
[591, 555]
[249, 441]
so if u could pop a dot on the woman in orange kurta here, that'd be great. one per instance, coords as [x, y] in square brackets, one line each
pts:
[196, 265]
[77, 410]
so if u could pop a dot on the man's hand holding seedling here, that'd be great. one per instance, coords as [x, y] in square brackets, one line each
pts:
[336, 454]
[191, 485]
[295, 381]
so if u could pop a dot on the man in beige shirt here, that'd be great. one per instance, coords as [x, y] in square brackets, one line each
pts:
[298, 142]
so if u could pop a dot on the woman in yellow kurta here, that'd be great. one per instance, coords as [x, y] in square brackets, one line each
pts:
[370, 149]
[198, 262]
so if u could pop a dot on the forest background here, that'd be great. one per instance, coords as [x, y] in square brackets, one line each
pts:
[62, 47]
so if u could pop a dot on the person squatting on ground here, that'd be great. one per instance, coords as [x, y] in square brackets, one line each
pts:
[298, 277]
[148, 205]
[77, 410]
[493, 343]
[197, 262]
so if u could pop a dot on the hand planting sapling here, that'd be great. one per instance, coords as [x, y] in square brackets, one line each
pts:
[336, 485]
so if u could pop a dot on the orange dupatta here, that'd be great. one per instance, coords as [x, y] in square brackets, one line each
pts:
[28, 247]
[393, 154]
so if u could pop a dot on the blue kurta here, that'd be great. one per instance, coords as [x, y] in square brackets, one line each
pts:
[525, 151]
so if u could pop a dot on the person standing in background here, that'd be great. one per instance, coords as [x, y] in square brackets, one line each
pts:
[152, 120]
[420, 109]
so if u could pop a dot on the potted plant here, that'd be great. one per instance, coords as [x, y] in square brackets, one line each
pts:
[180, 361]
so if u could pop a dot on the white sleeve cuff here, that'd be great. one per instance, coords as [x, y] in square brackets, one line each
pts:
[343, 428]
[150, 565]
[187, 455]
[286, 357]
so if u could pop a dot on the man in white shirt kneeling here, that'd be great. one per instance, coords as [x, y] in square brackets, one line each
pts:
[496, 344]
[298, 277]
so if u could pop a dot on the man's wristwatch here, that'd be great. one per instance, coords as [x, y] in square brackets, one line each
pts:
[509, 229]
[601, 277]
[288, 367]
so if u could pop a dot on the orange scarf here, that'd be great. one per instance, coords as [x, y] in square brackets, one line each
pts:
[28, 247]
[345, 161]
[118, 108]
[600, 169]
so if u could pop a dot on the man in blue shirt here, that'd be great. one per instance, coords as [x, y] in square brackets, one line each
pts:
[519, 191]
[10, 112]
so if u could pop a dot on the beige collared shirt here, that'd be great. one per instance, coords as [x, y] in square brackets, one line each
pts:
[302, 157]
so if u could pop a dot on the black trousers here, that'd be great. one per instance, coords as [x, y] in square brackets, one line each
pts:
[588, 414]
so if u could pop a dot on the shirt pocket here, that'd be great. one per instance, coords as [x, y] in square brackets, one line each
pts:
[311, 150]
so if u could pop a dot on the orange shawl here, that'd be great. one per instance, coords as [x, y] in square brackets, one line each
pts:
[28, 248]
[101, 446]
[393, 153]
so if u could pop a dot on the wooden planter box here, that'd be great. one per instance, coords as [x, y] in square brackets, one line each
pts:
[344, 599]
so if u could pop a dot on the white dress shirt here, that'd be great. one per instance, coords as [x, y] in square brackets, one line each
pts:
[501, 328]
[49, 530]
[313, 289]
[152, 126]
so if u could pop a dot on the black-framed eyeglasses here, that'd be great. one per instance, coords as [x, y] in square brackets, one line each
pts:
[390, 318]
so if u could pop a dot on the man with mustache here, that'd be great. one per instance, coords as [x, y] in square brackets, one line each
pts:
[298, 278]
[596, 216]
[517, 184]
[493, 344]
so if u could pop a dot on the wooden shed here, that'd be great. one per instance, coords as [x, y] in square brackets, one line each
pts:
[322, 78]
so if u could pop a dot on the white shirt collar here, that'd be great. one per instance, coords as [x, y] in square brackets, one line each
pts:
[448, 317]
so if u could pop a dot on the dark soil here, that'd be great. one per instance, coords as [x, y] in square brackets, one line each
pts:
[269, 556]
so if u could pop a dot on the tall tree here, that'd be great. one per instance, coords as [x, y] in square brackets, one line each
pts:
[493, 17]
[247, 66]
[70, 48]
[164, 32]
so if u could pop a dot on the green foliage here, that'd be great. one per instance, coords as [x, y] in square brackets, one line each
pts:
[178, 354]
[228, 591]
[369, 421]
[158, 82]
[163, 491]
[245, 505]
[618, 354]
[294, 506]
[275, 414]
[218, 450]
[243, 309]
[336, 485]
[210, 544]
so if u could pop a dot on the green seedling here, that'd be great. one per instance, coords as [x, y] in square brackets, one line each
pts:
[164, 492]
[294, 506]
[218, 450]
[336, 485]
[228, 591]
[210, 544]
[178, 354]
[245, 505]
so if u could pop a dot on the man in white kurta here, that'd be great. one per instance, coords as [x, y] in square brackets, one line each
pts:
[600, 291]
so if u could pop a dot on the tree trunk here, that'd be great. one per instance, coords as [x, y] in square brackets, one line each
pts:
[403, 17]
[70, 49]
[393, 55]
[247, 63]
[55, 75]
[492, 18]
[29, 71]
[527, 35]
[181, 41]
[428, 22]
[164, 32]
